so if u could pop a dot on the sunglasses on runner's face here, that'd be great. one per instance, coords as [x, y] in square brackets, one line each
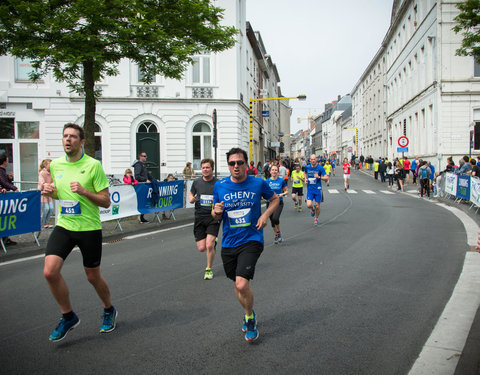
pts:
[238, 162]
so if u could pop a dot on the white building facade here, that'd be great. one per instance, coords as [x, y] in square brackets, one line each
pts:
[431, 95]
[171, 120]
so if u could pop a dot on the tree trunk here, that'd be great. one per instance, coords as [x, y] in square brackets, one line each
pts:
[90, 107]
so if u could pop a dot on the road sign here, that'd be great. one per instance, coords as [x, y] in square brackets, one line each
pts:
[403, 141]
[262, 91]
[265, 113]
[402, 149]
[350, 149]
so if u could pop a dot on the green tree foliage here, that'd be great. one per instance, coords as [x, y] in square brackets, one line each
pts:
[82, 41]
[469, 24]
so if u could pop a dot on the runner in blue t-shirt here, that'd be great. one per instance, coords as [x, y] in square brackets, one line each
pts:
[314, 174]
[279, 186]
[237, 201]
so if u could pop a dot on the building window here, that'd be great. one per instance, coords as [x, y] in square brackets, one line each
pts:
[201, 69]
[23, 68]
[202, 143]
[98, 142]
[28, 129]
[147, 127]
[476, 68]
[141, 76]
[7, 128]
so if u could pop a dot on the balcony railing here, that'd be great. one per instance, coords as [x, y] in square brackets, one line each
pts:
[202, 92]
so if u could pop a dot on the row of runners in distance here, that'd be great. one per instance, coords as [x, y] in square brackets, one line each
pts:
[81, 186]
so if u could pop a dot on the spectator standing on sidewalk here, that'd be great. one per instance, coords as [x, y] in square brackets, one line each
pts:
[251, 170]
[413, 169]
[424, 173]
[475, 172]
[188, 172]
[406, 168]
[382, 168]
[141, 175]
[376, 164]
[128, 178]
[399, 175]
[6, 184]
[390, 174]
[44, 177]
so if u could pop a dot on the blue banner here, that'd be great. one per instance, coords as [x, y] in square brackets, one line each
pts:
[169, 197]
[463, 187]
[19, 213]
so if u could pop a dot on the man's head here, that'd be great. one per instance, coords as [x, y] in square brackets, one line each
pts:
[207, 165]
[237, 160]
[73, 139]
[313, 160]
[3, 160]
[142, 156]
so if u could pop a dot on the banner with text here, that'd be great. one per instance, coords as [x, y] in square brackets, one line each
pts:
[475, 191]
[451, 184]
[463, 187]
[19, 213]
[123, 203]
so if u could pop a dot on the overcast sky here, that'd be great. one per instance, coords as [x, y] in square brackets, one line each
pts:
[320, 47]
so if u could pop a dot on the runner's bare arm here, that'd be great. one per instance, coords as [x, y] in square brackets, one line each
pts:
[262, 220]
[191, 197]
[102, 198]
[217, 211]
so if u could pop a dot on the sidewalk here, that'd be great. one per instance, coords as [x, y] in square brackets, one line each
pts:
[26, 245]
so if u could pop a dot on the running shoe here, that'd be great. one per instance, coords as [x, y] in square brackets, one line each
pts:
[109, 321]
[296, 205]
[244, 326]
[315, 222]
[312, 212]
[63, 327]
[252, 332]
[208, 274]
[275, 239]
[299, 209]
[279, 238]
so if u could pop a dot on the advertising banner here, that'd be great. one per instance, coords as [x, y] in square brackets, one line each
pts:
[463, 187]
[168, 197]
[123, 203]
[475, 191]
[451, 184]
[19, 213]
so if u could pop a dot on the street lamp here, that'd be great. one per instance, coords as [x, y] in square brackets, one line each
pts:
[299, 97]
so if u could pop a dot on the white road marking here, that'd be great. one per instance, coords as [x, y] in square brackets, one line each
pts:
[387, 192]
[351, 191]
[369, 191]
[333, 191]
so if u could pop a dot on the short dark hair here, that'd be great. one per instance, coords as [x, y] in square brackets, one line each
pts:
[3, 158]
[140, 153]
[76, 127]
[209, 161]
[236, 150]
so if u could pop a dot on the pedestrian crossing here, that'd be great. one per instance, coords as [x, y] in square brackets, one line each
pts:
[366, 191]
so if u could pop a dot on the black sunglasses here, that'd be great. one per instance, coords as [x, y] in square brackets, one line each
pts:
[238, 162]
[144, 156]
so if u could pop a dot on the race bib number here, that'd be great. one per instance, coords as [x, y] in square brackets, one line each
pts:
[206, 200]
[296, 181]
[239, 218]
[70, 208]
[312, 180]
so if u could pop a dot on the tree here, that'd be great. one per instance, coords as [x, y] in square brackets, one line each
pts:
[469, 23]
[82, 41]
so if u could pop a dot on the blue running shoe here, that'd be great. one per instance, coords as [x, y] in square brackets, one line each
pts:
[252, 331]
[315, 222]
[63, 327]
[244, 326]
[108, 321]
[312, 212]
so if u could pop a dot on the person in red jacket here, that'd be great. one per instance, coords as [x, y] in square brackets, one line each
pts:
[346, 173]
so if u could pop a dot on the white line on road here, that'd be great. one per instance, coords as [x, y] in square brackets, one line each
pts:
[333, 191]
[387, 192]
[351, 191]
[369, 191]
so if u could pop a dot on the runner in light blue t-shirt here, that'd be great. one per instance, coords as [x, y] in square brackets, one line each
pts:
[314, 174]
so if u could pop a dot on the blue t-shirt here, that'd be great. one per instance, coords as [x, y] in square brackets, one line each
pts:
[314, 183]
[242, 208]
[277, 185]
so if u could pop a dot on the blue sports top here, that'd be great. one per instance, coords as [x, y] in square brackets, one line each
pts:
[277, 185]
[313, 182]
[242, 208]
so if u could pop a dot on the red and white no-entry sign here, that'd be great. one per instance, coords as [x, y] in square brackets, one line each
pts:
[403, 141]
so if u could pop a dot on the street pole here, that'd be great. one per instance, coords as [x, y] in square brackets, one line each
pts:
[299, 97]
[215, 142]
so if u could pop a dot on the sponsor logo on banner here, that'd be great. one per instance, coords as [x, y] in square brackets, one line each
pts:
[123, 203]
[170, 197]
[451, 184]
[19, 213]
[463, 187]
[475, 191]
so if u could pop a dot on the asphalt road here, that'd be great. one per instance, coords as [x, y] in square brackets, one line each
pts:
[359, 294]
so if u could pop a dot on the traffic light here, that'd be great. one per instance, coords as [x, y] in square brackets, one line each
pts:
[282, 148]
[405, 127]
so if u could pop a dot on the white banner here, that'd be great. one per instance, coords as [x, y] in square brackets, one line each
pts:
[124, 203]
[475, 191]
[451, 184]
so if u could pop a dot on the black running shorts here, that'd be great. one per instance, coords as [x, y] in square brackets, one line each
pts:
[62, 242]
[205, 225]
[241, 260]
[298, 191]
